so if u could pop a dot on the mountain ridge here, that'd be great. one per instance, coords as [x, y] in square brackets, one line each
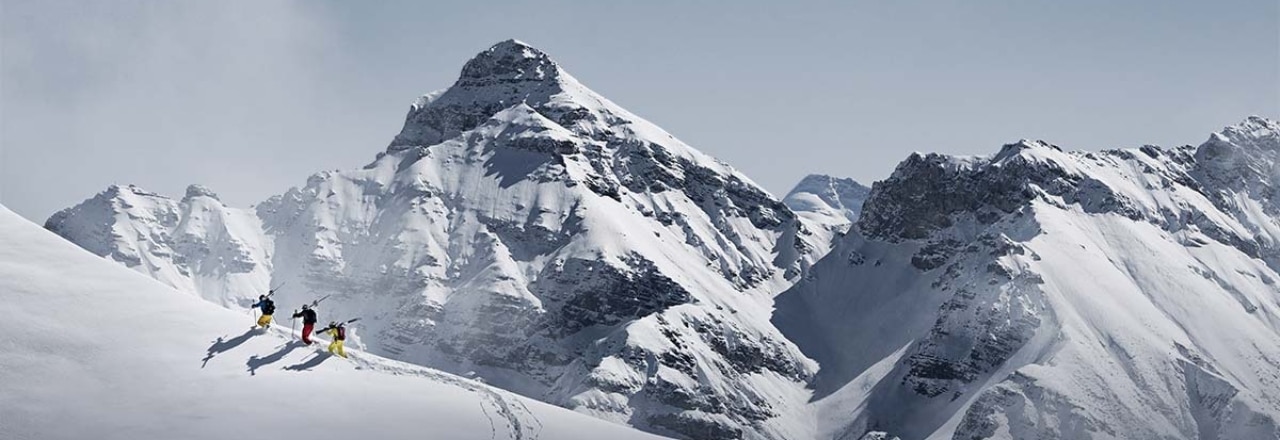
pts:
[555, 245]
[525, 230]
[1004, 274]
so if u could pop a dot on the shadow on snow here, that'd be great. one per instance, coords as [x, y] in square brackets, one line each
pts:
[256, 362]
[223, 345]
[312, 363]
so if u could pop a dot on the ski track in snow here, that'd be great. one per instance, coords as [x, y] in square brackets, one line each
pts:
[520, 421]
[493, 429]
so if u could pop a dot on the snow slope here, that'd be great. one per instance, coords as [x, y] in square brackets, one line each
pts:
[1039, 293]
[524, 228]
[92, 350]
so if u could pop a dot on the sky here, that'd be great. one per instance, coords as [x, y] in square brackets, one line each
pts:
[251, 97]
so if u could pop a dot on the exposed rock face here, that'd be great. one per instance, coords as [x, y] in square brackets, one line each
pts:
[523, 229]
[1038, 293]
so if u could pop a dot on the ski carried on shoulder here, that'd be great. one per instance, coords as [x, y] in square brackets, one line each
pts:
[273, 290]
[339, 329]
[318, 301]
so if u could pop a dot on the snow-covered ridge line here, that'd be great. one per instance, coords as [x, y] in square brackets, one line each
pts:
[196, 244]
[1041, 293]
[926, 192]
[94, 350]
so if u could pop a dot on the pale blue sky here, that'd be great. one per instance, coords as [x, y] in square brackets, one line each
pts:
[251, 97]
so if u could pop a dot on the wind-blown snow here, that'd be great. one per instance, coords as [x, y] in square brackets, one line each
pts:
[93, 350]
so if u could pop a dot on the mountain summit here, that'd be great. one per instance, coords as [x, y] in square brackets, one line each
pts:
[831, 205]
[510, 61]
[526, 230]
[507, 74]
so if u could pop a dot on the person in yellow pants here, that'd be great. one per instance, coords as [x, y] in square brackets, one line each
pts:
[268, 307]
[337, 332]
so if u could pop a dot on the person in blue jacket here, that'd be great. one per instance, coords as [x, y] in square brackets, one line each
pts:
[268, 307]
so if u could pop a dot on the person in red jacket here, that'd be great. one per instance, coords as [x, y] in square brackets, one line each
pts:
[308, 315]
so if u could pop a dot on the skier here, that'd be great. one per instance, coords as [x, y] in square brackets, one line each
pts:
[338, 333]
[268, 307]
[308, 316]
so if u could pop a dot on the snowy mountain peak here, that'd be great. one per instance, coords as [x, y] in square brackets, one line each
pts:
[1023, 147]
[830, 204]
[523, 228]
[1255, 126]
[824, 183]
[509, 61]
[194, 191]
[194, 244]
[1253, 132]
[116, 199]
[506, 74]
[117, 190]
[820, 192]
[1245, 155]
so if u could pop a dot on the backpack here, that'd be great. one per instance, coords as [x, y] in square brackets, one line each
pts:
[268, 307]
[342, 333]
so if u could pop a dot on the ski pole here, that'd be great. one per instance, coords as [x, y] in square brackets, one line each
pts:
[293, 326]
